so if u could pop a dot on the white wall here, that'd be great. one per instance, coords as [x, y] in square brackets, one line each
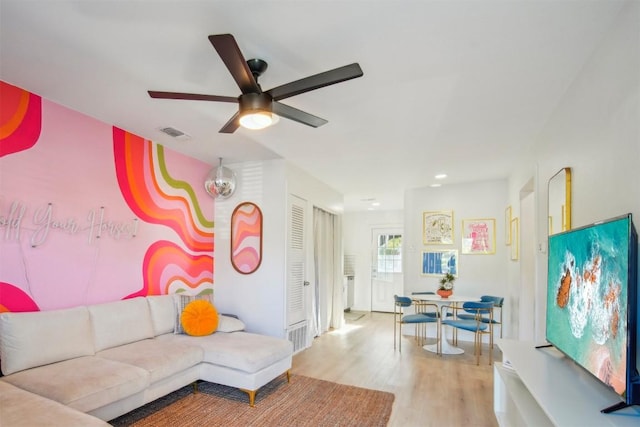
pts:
[357, 242]
[478, 274]
[595, 130]
[259, 298]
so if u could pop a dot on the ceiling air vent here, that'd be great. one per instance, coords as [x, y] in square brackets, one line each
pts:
[175, 133]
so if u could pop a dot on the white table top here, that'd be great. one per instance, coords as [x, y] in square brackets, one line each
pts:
[439, 299]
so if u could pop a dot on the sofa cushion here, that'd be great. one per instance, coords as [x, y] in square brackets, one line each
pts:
[229, 324]
[244, 351]
[163, 313]
[31, 339]
[85, 383]
[20, 408]
[160, 358]
[120, 322]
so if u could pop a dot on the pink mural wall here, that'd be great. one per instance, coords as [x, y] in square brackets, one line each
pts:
[91, 213]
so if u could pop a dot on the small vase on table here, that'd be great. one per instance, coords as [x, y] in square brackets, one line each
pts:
[446, 285]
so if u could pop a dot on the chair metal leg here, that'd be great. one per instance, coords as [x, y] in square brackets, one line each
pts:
[439, 341]
[395, 325]
[491, 342]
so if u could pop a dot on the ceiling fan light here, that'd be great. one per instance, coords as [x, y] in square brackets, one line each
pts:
[256, 120]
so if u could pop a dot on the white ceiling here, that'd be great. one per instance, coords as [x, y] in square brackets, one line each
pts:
[460, 87]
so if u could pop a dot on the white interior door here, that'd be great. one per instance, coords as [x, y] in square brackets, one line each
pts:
[386, 267]
[296, 256]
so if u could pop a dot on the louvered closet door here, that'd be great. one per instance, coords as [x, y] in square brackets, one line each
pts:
[296, 305]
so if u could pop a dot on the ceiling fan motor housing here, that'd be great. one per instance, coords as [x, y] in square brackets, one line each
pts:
[255, 102]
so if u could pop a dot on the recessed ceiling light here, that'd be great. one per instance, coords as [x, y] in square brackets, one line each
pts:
[435, 185]
[441, 176]
[375, 204]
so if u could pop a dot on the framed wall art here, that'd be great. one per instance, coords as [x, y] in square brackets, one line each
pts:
[246, 238]
[479, 236]
[437, 228]
[514, 239]
[440, 262]
[507, 226]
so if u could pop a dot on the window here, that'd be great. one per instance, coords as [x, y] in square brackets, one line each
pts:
[389, 253]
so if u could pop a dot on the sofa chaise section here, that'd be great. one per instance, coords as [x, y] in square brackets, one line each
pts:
[20, 408]
[247, 362]
[230, 357]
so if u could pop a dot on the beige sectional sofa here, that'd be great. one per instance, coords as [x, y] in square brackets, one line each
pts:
[108, 359]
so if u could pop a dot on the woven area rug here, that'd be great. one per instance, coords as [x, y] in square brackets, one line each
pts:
[302, 402]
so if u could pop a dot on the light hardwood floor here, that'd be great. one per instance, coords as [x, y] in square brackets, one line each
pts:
[430, 390]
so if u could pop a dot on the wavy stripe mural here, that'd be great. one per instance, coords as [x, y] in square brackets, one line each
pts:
[157, 198]
[169, 269]
[169, 202]
[90, 213]
[20, 119]
[15, 299]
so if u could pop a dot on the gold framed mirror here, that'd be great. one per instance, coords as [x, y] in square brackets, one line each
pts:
[559, 201]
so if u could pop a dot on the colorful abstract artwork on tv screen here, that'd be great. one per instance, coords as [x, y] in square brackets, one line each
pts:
[587, 299]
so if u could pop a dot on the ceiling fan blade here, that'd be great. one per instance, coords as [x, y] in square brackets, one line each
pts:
[299, 116]
[230, 54]
[191, 96]
[316, 81]
[232, 125]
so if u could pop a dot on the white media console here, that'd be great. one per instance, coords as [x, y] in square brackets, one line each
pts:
[545, 388]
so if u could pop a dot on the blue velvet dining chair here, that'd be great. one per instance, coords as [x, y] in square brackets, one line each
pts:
[435, 314]
[498, 302]
[478, 311]
[420, 318]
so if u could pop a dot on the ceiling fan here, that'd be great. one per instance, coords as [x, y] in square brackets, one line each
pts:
[257, 106]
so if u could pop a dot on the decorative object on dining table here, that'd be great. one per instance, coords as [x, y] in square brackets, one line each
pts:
[439, 262]
[445, 290]
[437, 228]
[479, 236]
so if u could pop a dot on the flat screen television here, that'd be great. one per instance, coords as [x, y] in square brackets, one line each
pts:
[592, 303]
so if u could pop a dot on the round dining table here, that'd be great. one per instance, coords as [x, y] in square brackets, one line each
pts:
[452, 300]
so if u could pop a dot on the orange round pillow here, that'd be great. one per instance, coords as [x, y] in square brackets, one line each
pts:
[199, 318]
